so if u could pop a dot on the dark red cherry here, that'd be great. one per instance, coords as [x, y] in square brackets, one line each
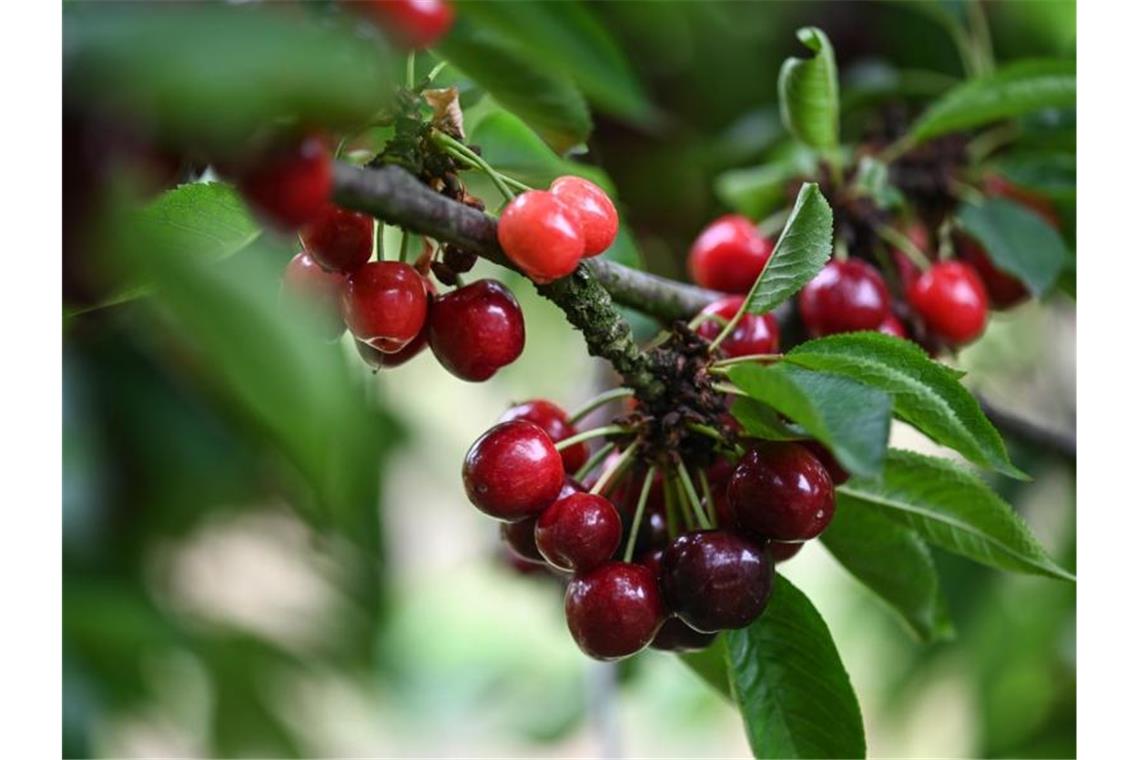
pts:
[782, 552]
[554, 420]
[541, 235]
[476, 329]
[378, 359]
[385, 304]
[754, 334]
[893, 326]
[597, 217]
[579, 532]
[306, 282]
[291, 186]
[729, 255]
[519, 538]
[846, 296]
[835, 471]
[676, 636]
[614, 611]
[513, 471]
[951, 300]
[416, 24]
[339, 239]
[1003, 290]
[781, 492]
[715, 580]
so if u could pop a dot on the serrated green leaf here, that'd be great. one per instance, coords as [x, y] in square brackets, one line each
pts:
[1017, 240]
[953, 509]
[802, 250]
[893, 562]
[1014, 90]
[794, 694]
[926, 394]
[850, 418]
[711, 664]
[809, 92]
[762, 421]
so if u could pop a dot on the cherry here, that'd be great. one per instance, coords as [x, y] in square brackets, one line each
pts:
[1003, 290]
[782, 551]
[781, 492]
[519, 538]
[554, 420]
[729, 255]
[290, 186]
[845, 296]
[339, 239]
[597, 217]
[715, 580]
[835, 470]
[513, 471]
[676, 636]
[305, 281]
[378, 359]
[476, 329]
[951, 299]
[893, 326]
[754, 334]
[385, 304]
[579, 532]
[541, 235]
[614, 611]
[417, 24]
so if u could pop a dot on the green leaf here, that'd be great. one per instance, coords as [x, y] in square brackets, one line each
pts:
[762, 421]
[1018, 241]
[926, 394]
[794, 694]
[809, 92]
[894, 563]
[213, 74]
[872, 180]
[850, 418]
[953, 509]
[711, 664]
[802, 250]
[1016, 89]
[758, 191]
[1053, 174]
[548, 102]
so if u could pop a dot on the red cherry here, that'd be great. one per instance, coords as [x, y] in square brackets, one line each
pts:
[715, 580]
[676, 636]
[782, 552]
[893, 326]
[339, 239]
[579, 532]
[541, 235]
[614, 611]
[597, 217]
[513, 471]
[754, 334]
[385, 304]
[476, 329]
[835, 471]
[305, 281]
[781, 492]
[519, 538]
[846, 296]
[729, 255]
[378, 359]
[290, 187]
[416, 24]
[1004, 290]
[951, 299]
[554, 420]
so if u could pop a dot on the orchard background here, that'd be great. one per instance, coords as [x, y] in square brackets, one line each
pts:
[267, 547]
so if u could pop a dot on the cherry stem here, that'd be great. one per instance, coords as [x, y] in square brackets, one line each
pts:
[773, 223]
[840, 252]
[410, 71]
[635, 526]
[728, 328]
[746, 359]
[707, 491]
[904, 244]
[458, 150]
[612, 470]
[671, 517]
[691, 493]
[600, 400]
[728, 388]
[404, 235]
[703, 317]
[713, 433]
[586, 435]
[967, 193]
[593, 461]
[895, 150]
[435, 71]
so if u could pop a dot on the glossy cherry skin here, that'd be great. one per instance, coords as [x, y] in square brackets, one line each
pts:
[892, 326]
[519, 538]
[780, 491]
[338, 239]
[782, 552]
[513, 471]
[676, 636]
[306, 281]
[716, 580]
[416, 24]
[385, 304]
[754, 334]
[290, 187]
[846, 296]
[1003, 290]
[579, 532]
[597, 217]
[541, 235]
[614, 610]
[554, 420]
[476, 329]
[378, 360]
[951, 299]
[729, 255]
[835, 471]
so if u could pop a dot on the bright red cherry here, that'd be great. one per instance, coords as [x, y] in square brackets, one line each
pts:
[519, 538]
[476, 329]
[597, 217]
[782, 552]
[416, 24]
[780, 491]
[715, 580]
[379, 360]
[754, 334]
[554, 420]
[579, 532]
[307, 282]
[614, 611]
[893, 326]
[385, 304]
[1003, 290]
[541, 235]
[729, 255]
[513, 471]
[339, 239]
[951, 299]
[291, 186]
[676, 636]
[846, 296]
